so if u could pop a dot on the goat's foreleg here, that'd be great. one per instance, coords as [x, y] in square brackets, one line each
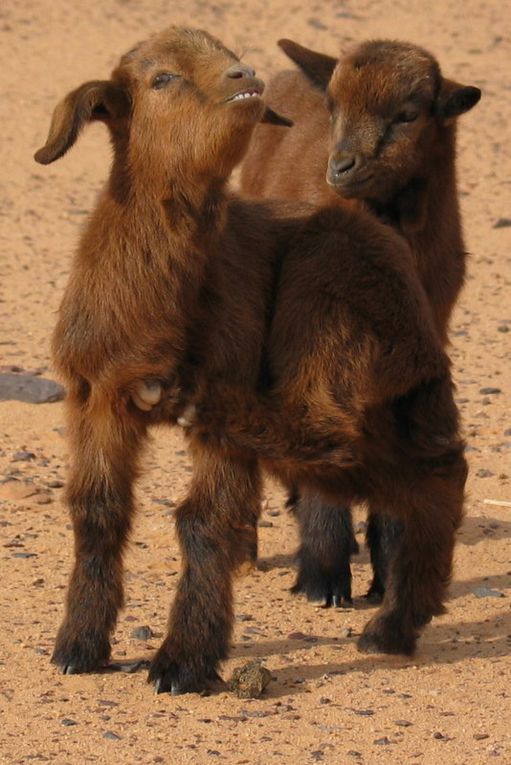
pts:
[105, 447]
[215, 525]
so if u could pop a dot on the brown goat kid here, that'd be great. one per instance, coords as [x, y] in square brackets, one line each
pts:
[171, 288]
[384, 136]
[171, 276]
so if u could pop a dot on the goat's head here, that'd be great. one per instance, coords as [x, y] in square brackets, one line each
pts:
[388, 104]
[178, 98]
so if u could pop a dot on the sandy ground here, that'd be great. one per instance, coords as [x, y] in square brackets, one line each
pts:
[326, 702]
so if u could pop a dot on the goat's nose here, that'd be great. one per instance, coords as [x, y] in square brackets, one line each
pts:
[343, 163]
[236, 71]
[342, 167]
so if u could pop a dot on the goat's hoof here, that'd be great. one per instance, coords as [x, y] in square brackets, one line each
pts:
[327, 599]
[75, 656]
[374, 597]
[187, 419]
[324, 592]
[79, 667]
[177, 680]
[71, 669]
[168, 676]
[385, 635]
[147, 394]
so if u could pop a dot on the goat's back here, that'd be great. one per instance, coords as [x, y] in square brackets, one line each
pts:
[290, 163]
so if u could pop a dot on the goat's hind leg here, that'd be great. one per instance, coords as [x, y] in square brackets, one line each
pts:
[420, 571]
[215, 526]
[105, 447]
[327, 543]
[382, 537]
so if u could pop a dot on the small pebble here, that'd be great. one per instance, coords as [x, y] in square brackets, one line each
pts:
[382, 741]
[317, 24]
[23, 456]
[403, 723]
[484, 473]
[301, 636]
[487, 592]
[68, 721]
[502, 223]
[43, 498]
[111, 735]
[250, 680]
[142, 633]
[488, 391]
[164, 502]
[481, 736]
[29, 388]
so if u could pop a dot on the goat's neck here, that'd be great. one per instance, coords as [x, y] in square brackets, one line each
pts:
[419, 208]
[426, 213]
[190, 206]
[189, 212]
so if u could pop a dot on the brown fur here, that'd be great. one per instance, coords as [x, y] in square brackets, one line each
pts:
[413, 183]
[160, 278]
[355, 108]
[173, 282]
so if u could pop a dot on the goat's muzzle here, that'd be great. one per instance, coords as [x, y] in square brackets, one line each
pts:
[348, 173]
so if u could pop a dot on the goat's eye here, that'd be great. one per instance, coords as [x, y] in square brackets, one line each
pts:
[163, 79]
[407, 115]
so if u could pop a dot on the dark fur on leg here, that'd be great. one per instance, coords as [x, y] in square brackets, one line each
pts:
[327, 543]
[101, 503]
[215, 539]
[420, 571]
[382, 538]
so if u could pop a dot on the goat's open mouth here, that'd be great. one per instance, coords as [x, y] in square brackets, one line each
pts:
[242, 95]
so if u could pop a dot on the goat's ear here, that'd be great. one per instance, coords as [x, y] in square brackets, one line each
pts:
[318, 67]
[455, 99]
[274, 118]
[96, 100]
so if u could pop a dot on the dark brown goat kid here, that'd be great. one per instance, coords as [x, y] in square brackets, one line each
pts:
[384, 137]
[177, 287]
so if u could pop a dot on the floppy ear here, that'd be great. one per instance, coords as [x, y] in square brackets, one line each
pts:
[95, 100]
[455, 99]
[273, 118]
[318, 67]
